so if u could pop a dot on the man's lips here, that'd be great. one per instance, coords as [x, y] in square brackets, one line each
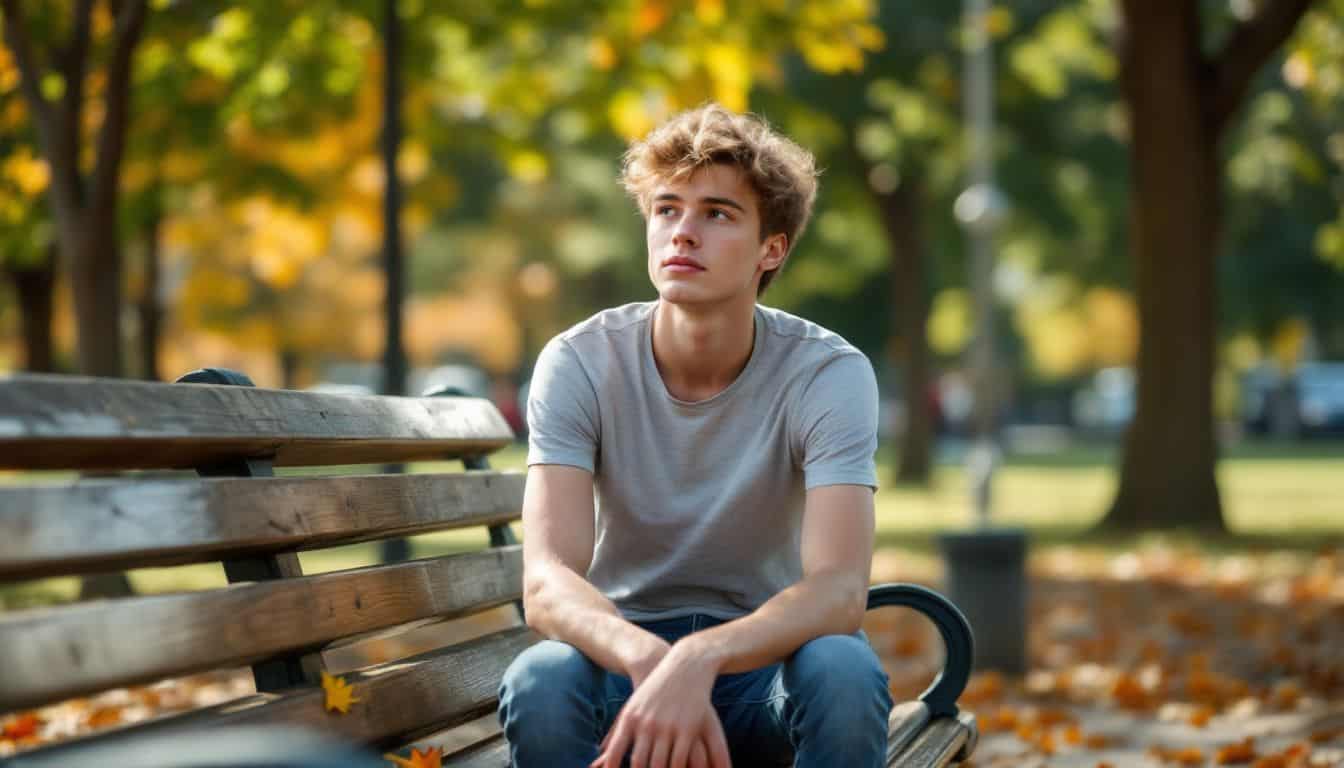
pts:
[681, 264]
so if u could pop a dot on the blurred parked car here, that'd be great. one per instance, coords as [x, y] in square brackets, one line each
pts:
[1267, 406]
[1320, 397]
[1309, 401]
[1105, 406]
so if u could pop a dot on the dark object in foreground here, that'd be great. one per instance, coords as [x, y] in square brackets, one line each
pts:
[231, 508]
[241, 747]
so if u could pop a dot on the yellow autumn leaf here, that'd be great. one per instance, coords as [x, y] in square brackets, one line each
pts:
[339, 694]
[633, 114]
[648, 18]
[730, 68]
[28, 172]
[528, 166]
[602, 53]
[709, 12]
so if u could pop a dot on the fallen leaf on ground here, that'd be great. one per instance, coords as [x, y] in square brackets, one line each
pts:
[23, 726]
[1236, 754]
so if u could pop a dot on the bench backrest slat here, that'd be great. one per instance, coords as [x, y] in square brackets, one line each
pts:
[45, 530]
[86, 647]
[64, 422]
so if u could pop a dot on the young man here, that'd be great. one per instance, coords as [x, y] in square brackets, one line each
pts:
[699, 508]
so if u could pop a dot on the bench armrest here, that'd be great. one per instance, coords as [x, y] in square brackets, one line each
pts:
[941, 696]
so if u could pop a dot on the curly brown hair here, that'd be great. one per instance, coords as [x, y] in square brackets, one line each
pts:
[782, 174]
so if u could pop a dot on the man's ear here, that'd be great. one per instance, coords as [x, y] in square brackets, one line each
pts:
[773, 251]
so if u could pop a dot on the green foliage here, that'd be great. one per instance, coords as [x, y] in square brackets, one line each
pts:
[520, 113]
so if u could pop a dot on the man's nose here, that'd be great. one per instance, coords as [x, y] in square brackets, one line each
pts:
[685, 233]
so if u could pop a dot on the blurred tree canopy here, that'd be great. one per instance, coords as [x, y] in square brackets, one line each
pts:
[229, 149]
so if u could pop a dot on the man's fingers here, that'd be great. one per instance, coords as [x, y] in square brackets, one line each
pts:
[658, 755]
[614, 746]
[681, 751]
[639, 756]
[716, 743]
[699, 758]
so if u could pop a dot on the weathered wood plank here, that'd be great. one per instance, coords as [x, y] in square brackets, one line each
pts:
[70, 422]
[940, 743]
[968, 721]
[51, 654]
[399, 702]
[47, 530]
[492, 752]
[906, 720]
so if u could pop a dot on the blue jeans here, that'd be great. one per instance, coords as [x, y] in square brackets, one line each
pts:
[826, 705]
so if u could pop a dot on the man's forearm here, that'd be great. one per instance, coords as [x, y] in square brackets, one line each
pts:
[562, 605]
[826, 603]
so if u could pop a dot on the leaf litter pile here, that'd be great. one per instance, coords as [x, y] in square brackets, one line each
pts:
[1159, 657]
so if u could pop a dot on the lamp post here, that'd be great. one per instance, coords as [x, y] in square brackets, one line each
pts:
[394, 267]
[986, 567]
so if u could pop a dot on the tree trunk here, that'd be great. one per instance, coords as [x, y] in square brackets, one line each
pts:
[1167, 472]
[151, 314]
[33, 286]
[94, 266]
[900, 211]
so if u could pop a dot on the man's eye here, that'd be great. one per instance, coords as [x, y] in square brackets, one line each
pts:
[663, 210]
[718, 213]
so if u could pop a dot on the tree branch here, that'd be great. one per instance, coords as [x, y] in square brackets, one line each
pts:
[30, 76]
[30, 82]
[73, 65]
[1251, 44]
[112, 133]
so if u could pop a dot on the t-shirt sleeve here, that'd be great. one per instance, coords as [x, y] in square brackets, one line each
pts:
[562, 417]
[837, 427]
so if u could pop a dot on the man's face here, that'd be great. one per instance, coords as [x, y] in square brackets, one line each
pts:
[704, 239]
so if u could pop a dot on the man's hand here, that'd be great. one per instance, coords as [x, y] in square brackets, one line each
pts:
[669, 722]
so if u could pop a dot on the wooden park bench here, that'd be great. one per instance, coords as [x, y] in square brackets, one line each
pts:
[272, 617]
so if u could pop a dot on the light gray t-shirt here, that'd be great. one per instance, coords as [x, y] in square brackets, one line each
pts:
[699, 505]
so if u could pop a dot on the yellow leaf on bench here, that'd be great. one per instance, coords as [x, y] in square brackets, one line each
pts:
[340, 695]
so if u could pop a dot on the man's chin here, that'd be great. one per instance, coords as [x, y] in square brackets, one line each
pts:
[685, 295]
[701, 301]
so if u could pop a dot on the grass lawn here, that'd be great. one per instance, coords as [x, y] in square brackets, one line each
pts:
[1274, 496]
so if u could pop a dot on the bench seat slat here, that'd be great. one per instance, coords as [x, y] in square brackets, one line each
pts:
[399, 702]
[45, 530]
[492, 752]
[71, 422]
[60, 652]
[943, 741]
[906, 720]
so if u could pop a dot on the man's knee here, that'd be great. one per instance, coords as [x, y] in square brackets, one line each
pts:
[835, 669]
[550, 706]
[549, 672]
[839, 702]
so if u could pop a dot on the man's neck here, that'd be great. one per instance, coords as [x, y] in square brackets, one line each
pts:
[700, 353]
